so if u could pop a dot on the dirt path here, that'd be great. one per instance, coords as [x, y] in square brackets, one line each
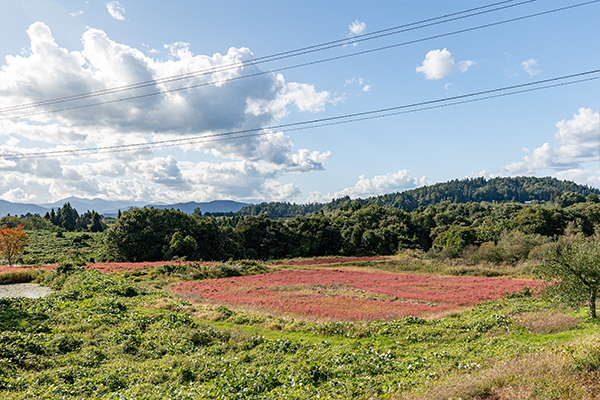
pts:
[31, 290]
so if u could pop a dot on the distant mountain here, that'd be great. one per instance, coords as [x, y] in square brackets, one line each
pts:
[220, 206]
[6, 208]
[99, 205]
[111, 208]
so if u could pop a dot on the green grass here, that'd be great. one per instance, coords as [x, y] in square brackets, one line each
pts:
[45, 247]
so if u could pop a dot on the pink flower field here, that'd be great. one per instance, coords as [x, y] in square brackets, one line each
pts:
[351, 295]
[332, 260]
[103, 267]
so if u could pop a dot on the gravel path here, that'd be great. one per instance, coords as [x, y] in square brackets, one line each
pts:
[30, 290]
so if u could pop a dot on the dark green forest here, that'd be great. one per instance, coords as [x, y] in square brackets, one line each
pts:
[520, 189]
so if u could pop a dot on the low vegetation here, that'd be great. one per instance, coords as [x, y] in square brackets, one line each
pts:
[108, 336]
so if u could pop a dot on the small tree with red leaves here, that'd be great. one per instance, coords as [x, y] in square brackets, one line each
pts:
[12, 243]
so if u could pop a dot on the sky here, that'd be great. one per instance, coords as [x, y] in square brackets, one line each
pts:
[50, 50]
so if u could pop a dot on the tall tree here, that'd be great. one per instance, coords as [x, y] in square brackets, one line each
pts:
[67, 217]
[572, 268]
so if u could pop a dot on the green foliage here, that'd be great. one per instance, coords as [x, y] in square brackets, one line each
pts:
[18, 276]
[193, 271]
[29, 222]
[572, 269]
[515, 245]
[46, 247]
[66, 217]
[150, 234]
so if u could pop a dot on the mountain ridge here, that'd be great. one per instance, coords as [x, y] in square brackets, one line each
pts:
[111, 208]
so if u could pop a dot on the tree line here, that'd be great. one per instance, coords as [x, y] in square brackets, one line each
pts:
[484, 231]
[518, 189]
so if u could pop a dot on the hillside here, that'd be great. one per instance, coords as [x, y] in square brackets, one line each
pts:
[519, 189]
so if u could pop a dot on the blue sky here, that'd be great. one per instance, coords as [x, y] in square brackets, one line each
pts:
[50, 49]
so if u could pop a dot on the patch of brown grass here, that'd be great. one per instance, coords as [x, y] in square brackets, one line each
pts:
[547, 322]
[556, 375]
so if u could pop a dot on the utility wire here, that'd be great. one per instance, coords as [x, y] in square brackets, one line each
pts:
[307, 63]
[219, 139]
[273, 57]
[366, 115]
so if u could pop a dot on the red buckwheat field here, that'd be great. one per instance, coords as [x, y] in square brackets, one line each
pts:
[351, 295]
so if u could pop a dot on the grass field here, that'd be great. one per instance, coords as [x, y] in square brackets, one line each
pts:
[125, 335]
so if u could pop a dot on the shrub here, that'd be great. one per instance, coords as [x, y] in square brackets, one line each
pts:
[515, 245]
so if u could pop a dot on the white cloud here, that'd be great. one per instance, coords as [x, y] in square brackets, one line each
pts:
[579, 140]
[353, 80]
[116, 10]
[76, 13]
[528, 67]
[580, 137]
[380, 184]
[366, 88]
[357, 27]
[255, 163]
[304, 96]
[439, 63]
[392, 182]
[279, 191]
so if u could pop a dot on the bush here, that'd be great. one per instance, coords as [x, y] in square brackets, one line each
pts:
[18, 276]
[515, 245]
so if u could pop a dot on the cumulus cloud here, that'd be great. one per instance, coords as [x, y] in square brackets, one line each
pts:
[528, 66]
[579, 143]
[380, 184]
[357, 27]
[439, 63]
[211, 108]
[116, 10]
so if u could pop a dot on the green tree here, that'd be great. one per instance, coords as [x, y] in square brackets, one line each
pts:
[572, 268]
[97, 225]
[67, 217]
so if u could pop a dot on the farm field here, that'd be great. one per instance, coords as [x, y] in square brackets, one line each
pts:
[351, 295]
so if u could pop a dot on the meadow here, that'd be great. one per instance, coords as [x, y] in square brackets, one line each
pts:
[127, 333]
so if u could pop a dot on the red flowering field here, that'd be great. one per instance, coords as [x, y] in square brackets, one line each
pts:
[130, 266]
[102, 267]
[6, 268]
[351, 295]
[331, 260]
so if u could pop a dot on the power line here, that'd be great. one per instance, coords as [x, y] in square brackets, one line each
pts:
[348, 118]
[307, 63]
[273, 57]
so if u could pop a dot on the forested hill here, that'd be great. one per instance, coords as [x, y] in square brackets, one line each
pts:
[519, 189]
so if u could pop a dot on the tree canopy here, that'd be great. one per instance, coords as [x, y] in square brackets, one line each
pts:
[572, 268]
